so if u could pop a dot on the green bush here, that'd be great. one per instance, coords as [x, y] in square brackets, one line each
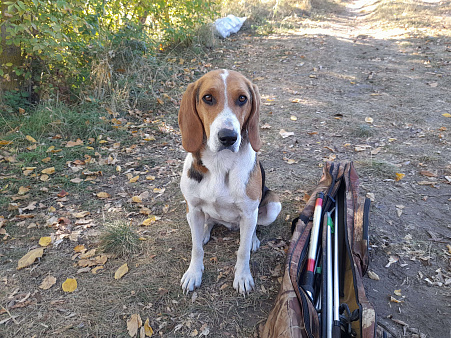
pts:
[61, 39]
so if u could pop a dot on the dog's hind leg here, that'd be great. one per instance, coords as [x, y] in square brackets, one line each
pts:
[207, 230]
[269, 208]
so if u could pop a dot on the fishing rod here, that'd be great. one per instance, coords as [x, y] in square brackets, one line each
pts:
[329, 294]
[336, 330]
[313, 246]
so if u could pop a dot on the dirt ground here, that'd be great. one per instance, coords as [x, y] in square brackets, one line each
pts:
[348, 88]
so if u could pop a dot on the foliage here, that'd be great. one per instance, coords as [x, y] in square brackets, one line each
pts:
[60, 39]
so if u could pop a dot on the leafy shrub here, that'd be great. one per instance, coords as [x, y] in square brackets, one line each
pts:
[61, 39]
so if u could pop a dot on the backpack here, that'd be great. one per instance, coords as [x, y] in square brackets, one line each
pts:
[295, 313]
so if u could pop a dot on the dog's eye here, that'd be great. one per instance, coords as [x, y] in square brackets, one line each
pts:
[242, 100]
[208, 99]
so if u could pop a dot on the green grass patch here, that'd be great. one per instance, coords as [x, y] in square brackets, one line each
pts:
[120, 239]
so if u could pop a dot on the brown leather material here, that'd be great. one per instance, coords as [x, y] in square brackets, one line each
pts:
[293, 314]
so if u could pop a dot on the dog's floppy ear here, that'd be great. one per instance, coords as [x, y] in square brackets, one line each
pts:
[254, 119]
[189, 121]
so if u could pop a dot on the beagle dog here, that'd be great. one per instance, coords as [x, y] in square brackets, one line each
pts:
[222, 180]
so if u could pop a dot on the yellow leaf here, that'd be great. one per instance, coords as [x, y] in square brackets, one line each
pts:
[50, 149]
[160, 101]
[46, 159]
[103, 141]
[80, 248]
[29, 258]
[150, 178]
[133, 324]
[150, 220]
[446, 115]
[23, 190]
[399, 176]
[31, 139]
[32, 147]
[70, 285]
[49, 171]
[44, 178]
[136, 199]
[5, 143]
[369, 119]
[158, 190]
[121, 271]
[89, 254]
[397, 292]
[103, 195]
[52, 209]
[48, 282]
[45, 241]
[147, 329]
[293, 118]
[134, 179]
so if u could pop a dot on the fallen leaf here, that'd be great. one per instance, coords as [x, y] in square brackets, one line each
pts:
[48, 282]
[376, 151]
[398, 293]
[372, 275]
[31, 139]
[394, 300]
[121, 271]
[134, 179]
[23, 190]
[147, 328]
[285, 133]
[62, 194]
[46, 160]
[73, 144]
[150, 220]
[427, 173]
[76, 180]
[391, 260]
[44, 178]
[433, 84]
[80, 248]
[293, 118]
[5, 143]
[446, 115]
[49, 171]
[45, 241]
[133, 324]
[399, 176]
[97, 268]
[29, 258]
[103, 195]
[81, 214]
[70, 285]
[266, 126]
[136, 199]
[89, 254]
[159, 190]
[369, 119]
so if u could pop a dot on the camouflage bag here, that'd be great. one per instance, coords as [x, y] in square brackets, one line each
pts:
[294, 314]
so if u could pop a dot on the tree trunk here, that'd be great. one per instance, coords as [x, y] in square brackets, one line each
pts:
[10, 54]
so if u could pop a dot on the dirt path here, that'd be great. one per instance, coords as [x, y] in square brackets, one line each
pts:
[361, 91]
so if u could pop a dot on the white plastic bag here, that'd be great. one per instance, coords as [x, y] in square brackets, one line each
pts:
[229, 25]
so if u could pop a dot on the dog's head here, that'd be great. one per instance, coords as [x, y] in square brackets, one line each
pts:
[220, 110]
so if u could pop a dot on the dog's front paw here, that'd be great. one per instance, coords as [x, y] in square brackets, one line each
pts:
[243, 282]
[191, 279]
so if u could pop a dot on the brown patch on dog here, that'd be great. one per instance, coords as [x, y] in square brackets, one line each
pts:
[254, 184]
[197, 170]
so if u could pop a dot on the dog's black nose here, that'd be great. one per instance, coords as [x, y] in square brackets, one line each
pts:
[227, 137]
